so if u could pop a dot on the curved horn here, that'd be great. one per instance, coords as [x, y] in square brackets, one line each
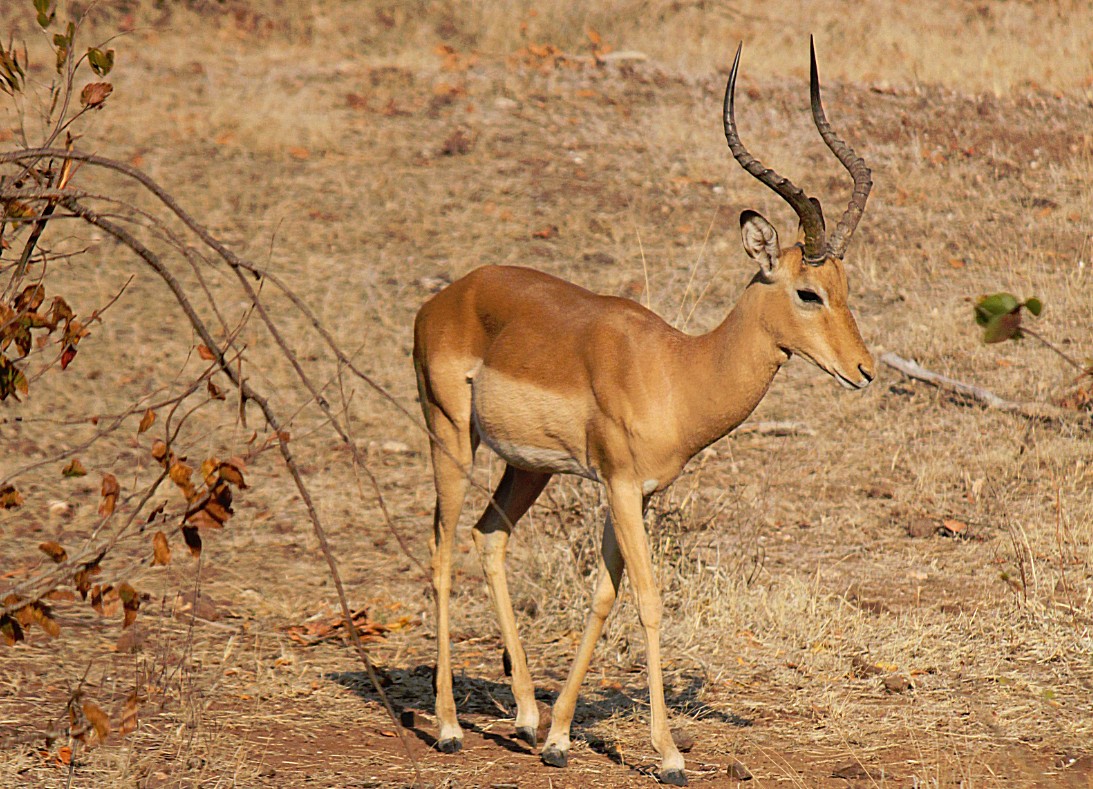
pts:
[853, 163]
[811, 220]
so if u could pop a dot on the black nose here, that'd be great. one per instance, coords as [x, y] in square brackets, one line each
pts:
[866, 374]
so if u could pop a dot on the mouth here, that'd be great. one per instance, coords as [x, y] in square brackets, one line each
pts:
[846, 383]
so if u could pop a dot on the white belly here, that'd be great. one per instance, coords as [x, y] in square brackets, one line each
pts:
[530, 427]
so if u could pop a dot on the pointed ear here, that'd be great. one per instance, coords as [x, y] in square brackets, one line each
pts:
[760, 240]
[801, 227]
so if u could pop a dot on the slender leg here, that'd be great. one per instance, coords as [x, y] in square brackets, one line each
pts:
[603, 598]
[451, 488]
[516, 492]
[625, 502]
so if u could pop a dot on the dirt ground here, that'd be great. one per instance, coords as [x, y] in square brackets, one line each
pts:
[898, 593]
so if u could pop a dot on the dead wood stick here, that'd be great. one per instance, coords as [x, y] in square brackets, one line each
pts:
[977, 393]
[774, 429]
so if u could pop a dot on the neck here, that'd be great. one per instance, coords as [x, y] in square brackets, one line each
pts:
[728, 372]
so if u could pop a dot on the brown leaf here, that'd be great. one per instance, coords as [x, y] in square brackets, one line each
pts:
[550, 231]
[231, 470]
[98, 719]
[43, 617]
[74, 469]
[130, 600]
[299, 152]
[30, 298]
[204, 519]
[208, 469]
[180, 474]
[205, 353]
[67, 356]
[64, 756]
[215, 392]
[161, 551]
[10, 498]
[10, 630]
[127, 715]
[110, 491]
[146, 421]
[159, 450]
[54, 551]
[192, 538]
[95, 93]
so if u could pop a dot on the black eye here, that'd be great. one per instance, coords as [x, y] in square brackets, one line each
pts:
[809, 297]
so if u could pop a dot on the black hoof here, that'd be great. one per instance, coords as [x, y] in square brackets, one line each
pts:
[506, 662]
[552, 757]
[451, 745]
[527, 734]
[673, 778]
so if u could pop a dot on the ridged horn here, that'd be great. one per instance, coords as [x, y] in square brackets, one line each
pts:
[811, 219]
[853, 163]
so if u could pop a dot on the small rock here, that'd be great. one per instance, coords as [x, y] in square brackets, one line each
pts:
[897, 683]
[683, 740]
[737, 770]
[267, 772]
[396, 448]
[434, 284]
[851, 770]
[918, 528]
[863, 667]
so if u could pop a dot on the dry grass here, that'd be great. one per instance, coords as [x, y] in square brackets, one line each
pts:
[782, 559]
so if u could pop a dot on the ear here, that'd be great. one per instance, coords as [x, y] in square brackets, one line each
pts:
[760, 240]
[801, 227]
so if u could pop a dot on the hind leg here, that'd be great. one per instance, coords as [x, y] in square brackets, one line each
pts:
[516, 492]
[450, 474]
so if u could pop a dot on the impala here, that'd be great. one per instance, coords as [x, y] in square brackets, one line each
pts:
[558, 380]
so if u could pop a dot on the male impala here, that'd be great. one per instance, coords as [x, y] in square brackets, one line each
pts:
[558, 380]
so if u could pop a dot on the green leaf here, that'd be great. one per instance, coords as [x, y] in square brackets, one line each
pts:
[1003, 327]
[998, 303]
[1035, 306]
[44, 19]
[101, 62]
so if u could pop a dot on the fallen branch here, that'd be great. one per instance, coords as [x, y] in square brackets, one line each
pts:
[976, 393]
[774, 429]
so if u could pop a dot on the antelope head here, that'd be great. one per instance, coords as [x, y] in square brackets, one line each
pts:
[804, 287]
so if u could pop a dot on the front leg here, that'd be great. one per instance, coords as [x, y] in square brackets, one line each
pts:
[625, 501]
[603, 598]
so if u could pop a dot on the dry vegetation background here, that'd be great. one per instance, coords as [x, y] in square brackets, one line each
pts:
[369, 153]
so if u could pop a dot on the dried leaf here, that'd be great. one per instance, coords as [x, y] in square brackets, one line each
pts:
[161, 551]
[54, 551]
[67, 355]
[214, 391]
[146, 421]
[192, 538]
[42, 616]
[231, 471]
[203, 519]
[160, 450]
[205, 353]
[10, 498]
[130, 600]
[74, 469]
[110, 491]
[10, 630]
[127, 715]
[95, 93]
